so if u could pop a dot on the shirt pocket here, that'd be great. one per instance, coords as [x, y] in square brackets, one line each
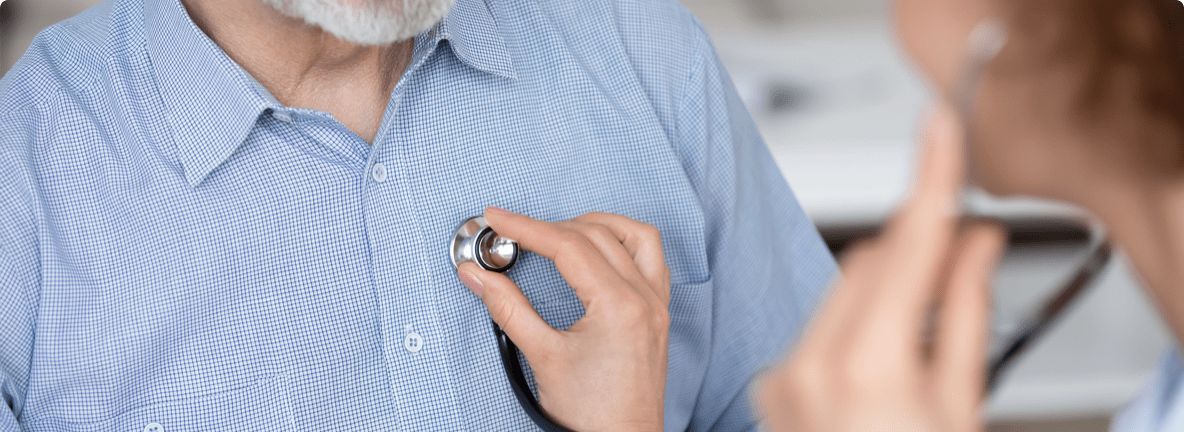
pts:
[261, 405]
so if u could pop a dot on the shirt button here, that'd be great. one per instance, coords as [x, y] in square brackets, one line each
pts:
[153, 427]
[413, 342]
[378, 172]
[282, 116]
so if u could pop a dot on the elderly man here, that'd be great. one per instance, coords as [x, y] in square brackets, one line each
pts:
[234, 214]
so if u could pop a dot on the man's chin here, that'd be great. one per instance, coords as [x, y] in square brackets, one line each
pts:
[376, 26]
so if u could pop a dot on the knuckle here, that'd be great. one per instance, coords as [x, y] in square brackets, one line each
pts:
[598, 232]
[660, 318]
[571, 241]
[651, 233]
[631, 309]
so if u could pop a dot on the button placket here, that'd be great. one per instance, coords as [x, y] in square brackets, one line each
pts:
[416, 373]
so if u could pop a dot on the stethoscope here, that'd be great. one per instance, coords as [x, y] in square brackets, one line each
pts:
[476, 242]
[985, 42]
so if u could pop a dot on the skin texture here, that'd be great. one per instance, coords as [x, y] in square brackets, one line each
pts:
[301, 65]
[607, 372]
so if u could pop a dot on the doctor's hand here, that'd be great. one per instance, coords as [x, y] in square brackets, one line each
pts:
[608, 370]
[869, 361]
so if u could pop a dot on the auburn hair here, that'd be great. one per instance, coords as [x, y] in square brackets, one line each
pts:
[1115, 46]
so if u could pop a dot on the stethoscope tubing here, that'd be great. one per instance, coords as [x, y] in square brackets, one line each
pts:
[1081, 281]
[985, 43]
[518, 383]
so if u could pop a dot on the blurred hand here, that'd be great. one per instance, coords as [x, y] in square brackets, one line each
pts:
[608, 370]
[866, 363]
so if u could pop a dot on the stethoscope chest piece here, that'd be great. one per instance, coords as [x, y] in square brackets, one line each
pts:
[477, 243]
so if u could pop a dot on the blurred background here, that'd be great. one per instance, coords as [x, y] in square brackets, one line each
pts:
[839, 106]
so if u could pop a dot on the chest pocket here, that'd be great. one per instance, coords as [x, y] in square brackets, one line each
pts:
[259, 406]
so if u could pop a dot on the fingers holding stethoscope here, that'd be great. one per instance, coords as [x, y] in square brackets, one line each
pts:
[598, 254]
[508, 307]
[643, 243]
[614, 358]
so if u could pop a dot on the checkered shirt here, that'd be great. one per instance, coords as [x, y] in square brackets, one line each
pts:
[181, 252]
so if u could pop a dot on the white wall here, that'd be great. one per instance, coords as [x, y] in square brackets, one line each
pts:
[32, 16]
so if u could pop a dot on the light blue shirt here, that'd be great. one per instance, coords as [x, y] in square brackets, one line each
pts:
[180, 252]
[1159, 407]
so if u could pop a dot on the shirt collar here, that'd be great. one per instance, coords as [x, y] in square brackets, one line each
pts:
[211, 102]
[475, 38]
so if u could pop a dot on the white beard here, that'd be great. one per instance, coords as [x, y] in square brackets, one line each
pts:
[377, 22]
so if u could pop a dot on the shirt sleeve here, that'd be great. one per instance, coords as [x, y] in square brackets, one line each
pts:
[768, 264]
[18, 277]
[15, 338]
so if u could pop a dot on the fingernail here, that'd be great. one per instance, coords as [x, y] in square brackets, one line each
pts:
[473, 283]
[498, 210]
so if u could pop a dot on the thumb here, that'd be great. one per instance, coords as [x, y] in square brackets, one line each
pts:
[509, 308]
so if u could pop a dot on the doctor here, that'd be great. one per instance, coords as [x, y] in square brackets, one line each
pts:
[1086, 105]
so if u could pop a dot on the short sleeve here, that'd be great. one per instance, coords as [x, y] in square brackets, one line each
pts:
[768, 263]
[19, 276]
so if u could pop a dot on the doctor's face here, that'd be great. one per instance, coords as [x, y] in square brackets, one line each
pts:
[1008, 145]
[1073, 100]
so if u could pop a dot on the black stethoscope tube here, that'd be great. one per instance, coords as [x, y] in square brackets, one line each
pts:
[519, 385]
[985, 42]
[1047, 315]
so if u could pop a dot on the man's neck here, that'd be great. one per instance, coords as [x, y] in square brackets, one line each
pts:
[301, 65]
